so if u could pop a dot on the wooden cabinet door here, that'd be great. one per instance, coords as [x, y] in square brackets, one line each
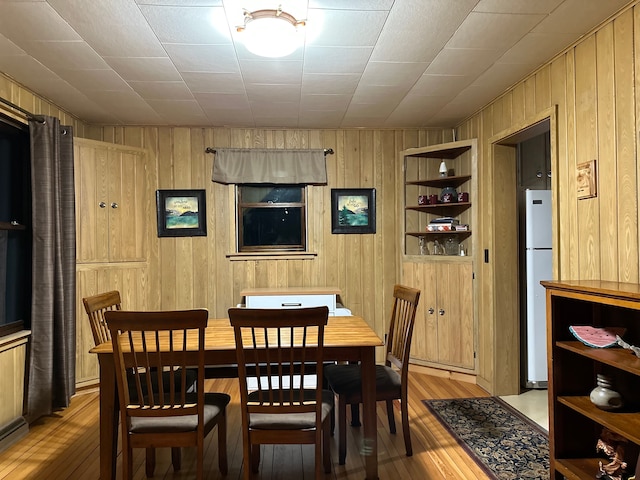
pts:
[444, 330]
[455, 315]
[112, 205]
[424, 343]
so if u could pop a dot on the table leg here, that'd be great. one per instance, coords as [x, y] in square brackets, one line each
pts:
[108, 417]
[370, 445]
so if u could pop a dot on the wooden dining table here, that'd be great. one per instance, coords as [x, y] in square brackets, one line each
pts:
[345, 339]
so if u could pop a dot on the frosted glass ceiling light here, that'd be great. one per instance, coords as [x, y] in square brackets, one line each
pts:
[271, 33]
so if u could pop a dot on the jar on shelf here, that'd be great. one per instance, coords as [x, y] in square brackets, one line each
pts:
[604, 396]
[449, 195]
[452, 245]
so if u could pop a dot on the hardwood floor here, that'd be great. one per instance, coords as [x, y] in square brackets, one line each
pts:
[65, 445]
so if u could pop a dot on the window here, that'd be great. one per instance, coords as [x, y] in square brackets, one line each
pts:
[271, 218]
[15, 228]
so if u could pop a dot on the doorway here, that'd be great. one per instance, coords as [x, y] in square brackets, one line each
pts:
[533, 167]
[503, 253]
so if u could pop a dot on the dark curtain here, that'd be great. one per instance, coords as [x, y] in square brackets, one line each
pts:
[51, 380]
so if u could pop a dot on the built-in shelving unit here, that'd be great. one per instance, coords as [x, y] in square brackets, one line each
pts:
[575, 423]
[444, 333]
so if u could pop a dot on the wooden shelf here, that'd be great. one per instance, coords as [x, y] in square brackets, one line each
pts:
[626, 424]
[459, 233]
[441, 182]
[577, 468]
[11, 226]
[450, 152]
[616, 357]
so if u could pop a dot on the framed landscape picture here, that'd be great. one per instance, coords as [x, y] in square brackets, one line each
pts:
[353, 210]
[181, 213]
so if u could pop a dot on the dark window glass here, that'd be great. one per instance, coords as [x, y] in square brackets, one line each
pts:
[15, 229]
[271, 217]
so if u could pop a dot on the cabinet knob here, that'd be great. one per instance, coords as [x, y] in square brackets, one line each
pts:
[114, 205]
[441, 312]
[431, 310]
[102, 204]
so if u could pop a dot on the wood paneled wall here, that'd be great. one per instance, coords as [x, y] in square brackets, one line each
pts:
[196, 271]
[592, 88]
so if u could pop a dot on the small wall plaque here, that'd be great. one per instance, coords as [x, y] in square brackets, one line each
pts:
[586, 180]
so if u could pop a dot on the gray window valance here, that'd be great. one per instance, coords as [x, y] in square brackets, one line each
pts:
[254, 165]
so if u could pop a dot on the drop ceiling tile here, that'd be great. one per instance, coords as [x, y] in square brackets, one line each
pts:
[345, 28]
[275, 109]
[417, 29]
[378, 94]
[144, 69]
[320, 118]
[517, 6]
[75, 55]
[113, 12]
[199, 82]
[123, 42]
[325, 102]
[576, 16]
[33, 21]
[392, 73]
[536, 49]
[177, 91]
[499, 77]
[93, 80]
[203, 58]
[352, 4]
[229, 117]
[189, 25]
[440, 85]
[272, 92]
[8, 48]
[179, 112]
[202, 3]
[492, 31]
[222, 101]
[462, 61]
[278, 72]
[325, 83]
[336, 60]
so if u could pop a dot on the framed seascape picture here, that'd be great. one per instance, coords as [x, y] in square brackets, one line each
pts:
[353, 210]
[181, 213]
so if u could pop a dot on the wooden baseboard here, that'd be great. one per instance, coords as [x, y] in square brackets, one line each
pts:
[437, 372]
[13, 432]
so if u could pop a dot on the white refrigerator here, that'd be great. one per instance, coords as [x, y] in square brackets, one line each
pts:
[538, 266]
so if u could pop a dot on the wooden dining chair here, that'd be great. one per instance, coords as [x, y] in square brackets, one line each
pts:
[280, 351]
[157, 347]
[391, 378]
[96, 306]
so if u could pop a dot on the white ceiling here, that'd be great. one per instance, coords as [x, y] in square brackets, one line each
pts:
[365, 63]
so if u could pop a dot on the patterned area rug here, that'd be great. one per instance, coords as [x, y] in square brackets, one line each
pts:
[505, 443]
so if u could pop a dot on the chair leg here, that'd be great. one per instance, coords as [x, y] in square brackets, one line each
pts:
[355, 415]
[392, 420]
[255, 458]
[127, 462]
[222, 443]
[150, 462]
[176, 458]
[405, 427]
[326, 449]
[342, 429]
[333, 420]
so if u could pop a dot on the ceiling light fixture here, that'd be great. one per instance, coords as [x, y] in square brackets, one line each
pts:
[271, 33]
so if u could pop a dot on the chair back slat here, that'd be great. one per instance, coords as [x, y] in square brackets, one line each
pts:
[279, 353]
[152, 354]
[403, 314]
[96, 306]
